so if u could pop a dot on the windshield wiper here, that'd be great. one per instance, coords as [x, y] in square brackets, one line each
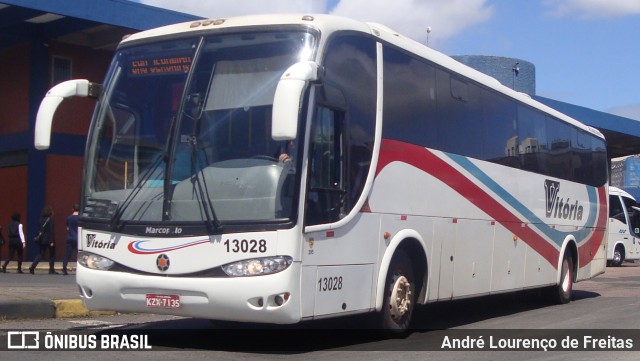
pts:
[117, 215]
[169, 159]
[201, 189]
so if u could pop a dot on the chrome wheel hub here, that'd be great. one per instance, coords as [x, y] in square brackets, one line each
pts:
[400, 302]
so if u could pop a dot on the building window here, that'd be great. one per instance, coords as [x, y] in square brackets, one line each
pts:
[13, 158]
[61, 70]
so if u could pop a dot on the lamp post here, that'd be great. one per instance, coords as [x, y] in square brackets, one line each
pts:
[515, 71]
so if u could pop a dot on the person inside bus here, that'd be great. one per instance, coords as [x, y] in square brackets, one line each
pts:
[286, 152]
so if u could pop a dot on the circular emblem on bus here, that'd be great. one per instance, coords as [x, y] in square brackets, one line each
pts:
[163, 262]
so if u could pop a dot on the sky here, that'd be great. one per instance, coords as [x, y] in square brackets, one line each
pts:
[586, 52]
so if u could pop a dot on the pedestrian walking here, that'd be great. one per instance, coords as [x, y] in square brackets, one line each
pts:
[45, 240]
[72, 237]
[1, 242]
[16, 241]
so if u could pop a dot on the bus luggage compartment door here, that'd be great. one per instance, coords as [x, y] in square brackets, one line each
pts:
[343, 289]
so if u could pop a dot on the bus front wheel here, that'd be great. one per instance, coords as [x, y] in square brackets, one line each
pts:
[399, 297]
[618, 256]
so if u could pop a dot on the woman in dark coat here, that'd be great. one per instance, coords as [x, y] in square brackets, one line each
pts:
[16, 241]
[47, 240]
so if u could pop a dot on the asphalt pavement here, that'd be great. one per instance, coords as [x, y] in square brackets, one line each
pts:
[39, 295]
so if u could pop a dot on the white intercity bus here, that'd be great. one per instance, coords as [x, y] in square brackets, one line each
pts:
[277, 169]
[624, 228]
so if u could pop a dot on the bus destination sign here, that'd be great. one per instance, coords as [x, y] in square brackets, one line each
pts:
[160, 65]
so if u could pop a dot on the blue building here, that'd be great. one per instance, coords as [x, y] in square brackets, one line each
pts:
[42, 43]
[623, 134]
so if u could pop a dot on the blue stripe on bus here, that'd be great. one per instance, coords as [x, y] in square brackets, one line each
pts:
[553, 234]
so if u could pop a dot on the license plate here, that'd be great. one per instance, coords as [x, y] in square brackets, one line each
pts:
[163, 301]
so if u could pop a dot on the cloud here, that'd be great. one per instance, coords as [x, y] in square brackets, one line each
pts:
[412, 17]
[409, 17]
[593, 8]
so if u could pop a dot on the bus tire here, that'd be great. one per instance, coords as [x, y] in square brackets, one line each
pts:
[399, 293]
[618, 256]
[561, 293]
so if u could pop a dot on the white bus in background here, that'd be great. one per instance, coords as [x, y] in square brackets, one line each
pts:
[286, 168]
[624, 228]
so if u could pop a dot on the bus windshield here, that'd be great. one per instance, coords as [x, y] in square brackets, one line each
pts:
[183, 132]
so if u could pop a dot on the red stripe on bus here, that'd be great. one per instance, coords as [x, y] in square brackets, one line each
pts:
[425, 160]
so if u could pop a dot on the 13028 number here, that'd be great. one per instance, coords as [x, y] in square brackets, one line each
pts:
[329, 283]
[246, 246]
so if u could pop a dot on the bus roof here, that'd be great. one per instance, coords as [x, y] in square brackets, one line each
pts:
[327, 24]
[618, 191]
[323, 22]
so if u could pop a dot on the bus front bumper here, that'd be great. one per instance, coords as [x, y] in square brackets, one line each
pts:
[266, 299]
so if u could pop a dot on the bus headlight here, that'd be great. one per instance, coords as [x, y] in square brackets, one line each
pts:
[257, 266]
[94, 261]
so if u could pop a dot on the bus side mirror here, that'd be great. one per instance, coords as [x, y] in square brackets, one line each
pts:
[51, 101]
[288, 99]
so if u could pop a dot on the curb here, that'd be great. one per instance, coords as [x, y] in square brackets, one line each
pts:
[74, 308]
[40, 309]
[26, 309]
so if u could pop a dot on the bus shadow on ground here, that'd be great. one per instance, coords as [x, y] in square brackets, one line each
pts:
[445, 315]
[353, 333]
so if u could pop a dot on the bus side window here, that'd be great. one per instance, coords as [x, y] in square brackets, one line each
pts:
[616, 209]
[343, 129]
[634, 214]
[326, 188]
[634, 218]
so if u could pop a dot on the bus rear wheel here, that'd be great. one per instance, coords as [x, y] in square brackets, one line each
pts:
[561, 293]
[399, 293]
